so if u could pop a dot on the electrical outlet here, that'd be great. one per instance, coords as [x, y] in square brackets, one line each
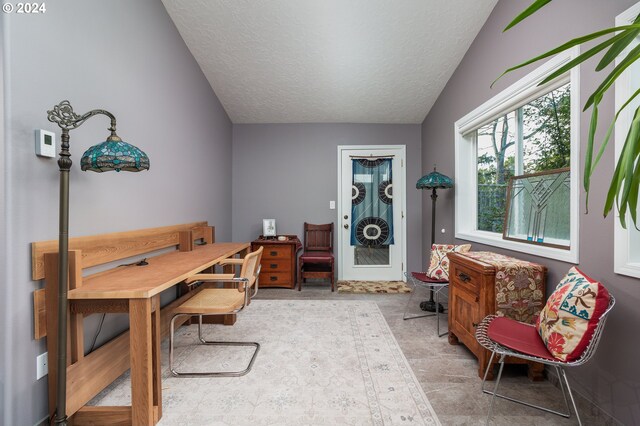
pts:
[42, 365]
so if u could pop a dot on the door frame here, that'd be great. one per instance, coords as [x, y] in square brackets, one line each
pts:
[402, 151]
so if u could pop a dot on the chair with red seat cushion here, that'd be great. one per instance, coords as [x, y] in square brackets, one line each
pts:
[435, 286]
[509, 338]
[317, 259]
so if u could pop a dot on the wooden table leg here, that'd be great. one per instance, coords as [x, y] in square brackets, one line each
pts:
[157, 358]
[141, 343]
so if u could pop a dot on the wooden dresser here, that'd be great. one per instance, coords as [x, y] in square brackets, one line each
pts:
[278, 261]
[474, 293]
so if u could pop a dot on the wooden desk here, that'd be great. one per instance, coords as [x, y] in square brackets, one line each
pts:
[162, 272]
[136, 290]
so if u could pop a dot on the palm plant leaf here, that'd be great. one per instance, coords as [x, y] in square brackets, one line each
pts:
[607, 137]
[618, 47]
[593, 124]
[535, 6]
[583, 57]
[620, 189]
[568, 45]
[633, 196]
[625, 63]
[627, 172]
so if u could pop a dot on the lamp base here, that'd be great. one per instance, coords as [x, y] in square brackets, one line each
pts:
[62, 421]
[430, 306]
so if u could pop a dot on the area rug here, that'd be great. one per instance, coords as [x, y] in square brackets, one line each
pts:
[373, 287]
[321, 363]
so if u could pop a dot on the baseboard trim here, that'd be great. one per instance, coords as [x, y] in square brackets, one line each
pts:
[43, 421]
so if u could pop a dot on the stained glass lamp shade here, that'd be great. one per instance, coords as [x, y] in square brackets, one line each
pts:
[114, 155]
[434, 180]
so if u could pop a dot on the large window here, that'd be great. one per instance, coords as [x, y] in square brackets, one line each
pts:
[526, 129]
[533, 138]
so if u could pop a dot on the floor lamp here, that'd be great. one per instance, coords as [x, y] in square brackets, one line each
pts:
[433, 181]
[113, 154]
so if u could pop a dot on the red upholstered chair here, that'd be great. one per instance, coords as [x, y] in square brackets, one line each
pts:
[509, 338]
[317, 259]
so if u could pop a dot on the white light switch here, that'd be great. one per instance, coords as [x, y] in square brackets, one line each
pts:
[332, 205]
[45, 143]
[42, 365]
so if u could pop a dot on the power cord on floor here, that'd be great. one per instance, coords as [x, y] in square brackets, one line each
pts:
[95, 337]
[142, 262]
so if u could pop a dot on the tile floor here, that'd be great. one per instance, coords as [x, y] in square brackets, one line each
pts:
[448, 374]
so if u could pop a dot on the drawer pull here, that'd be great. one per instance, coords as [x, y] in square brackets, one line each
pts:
[273, 265]
[273, 278]
[464, 277]
[273, 253]
[474, 324]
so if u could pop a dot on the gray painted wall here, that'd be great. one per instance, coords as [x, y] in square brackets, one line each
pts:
[612, 379]
[5, 349]
[289, 172]
[126, 57]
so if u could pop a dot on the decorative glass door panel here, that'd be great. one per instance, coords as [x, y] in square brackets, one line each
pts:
[371, 210]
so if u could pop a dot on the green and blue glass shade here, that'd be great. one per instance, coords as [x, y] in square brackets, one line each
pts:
[434, 180]
[114, 154]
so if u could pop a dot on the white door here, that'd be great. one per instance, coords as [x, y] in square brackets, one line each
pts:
[370, 261]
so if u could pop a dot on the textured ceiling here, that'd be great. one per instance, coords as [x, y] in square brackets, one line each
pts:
[302, 61]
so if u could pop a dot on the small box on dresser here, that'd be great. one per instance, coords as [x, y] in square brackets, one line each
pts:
[278, 264]
[518, 292]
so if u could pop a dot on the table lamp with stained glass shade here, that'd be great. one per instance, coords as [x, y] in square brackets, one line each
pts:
[112, 154]
[433, 181]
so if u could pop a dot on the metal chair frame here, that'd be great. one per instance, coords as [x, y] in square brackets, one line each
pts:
[244, 281]
[495, 348]
[436, 288]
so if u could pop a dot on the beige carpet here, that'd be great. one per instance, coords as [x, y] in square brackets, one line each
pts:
[322, 362]
[373, 287]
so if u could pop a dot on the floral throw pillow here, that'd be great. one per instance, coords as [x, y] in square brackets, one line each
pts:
[569, 319]
[439, 262]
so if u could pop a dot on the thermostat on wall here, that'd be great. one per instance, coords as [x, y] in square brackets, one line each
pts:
[45, 143]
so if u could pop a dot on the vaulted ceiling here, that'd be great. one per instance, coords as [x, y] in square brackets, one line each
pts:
[302, 61]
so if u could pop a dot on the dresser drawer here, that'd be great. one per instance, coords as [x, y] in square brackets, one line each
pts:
[276, 265]
[465, 278]
[268, 279]
[276, 252]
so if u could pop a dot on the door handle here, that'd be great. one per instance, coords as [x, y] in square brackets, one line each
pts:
[346, 226]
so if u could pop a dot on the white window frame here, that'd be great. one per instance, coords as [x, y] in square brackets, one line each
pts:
[623, 264]
[466, 177]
